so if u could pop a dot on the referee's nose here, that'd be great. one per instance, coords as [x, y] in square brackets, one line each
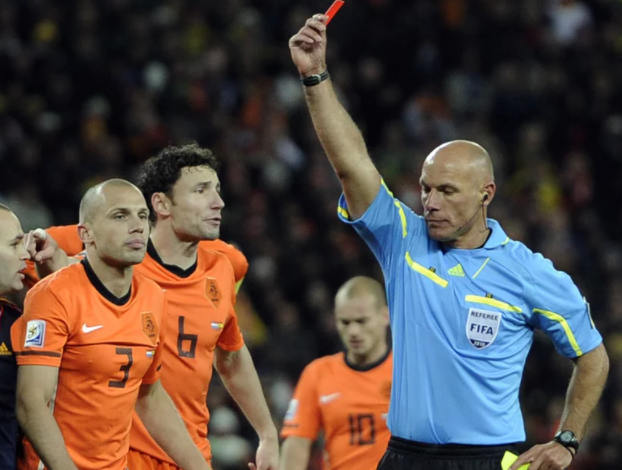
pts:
[431, 202]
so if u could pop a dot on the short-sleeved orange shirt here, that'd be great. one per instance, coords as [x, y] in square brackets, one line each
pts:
[104, 347]
[349, 404]
[200, 317]
[69, 241]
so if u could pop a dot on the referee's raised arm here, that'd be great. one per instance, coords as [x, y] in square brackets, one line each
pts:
[339, 135]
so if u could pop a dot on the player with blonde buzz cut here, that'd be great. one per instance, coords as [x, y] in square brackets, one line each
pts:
[89, 348]
[345, 396]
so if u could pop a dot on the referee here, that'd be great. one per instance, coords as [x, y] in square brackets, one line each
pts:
[464, 299]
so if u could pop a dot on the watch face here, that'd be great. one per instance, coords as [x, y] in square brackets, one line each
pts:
[565, 437]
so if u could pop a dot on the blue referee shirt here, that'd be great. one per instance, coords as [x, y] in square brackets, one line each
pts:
[463, 322]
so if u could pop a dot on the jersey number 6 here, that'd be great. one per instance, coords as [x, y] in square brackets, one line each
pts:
[183, 336]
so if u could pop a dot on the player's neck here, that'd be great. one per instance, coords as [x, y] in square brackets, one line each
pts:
[117, 280]
[370, 358]
[171, 249]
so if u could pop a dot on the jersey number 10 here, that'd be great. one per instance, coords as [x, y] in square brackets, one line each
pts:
[362, 430]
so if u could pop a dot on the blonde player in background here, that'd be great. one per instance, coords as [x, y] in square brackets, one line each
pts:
[345, 396]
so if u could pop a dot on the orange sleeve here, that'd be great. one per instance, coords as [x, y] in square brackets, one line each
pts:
[153, 373]
[40, 334]
[231, 337]
[303, 417]
[67, 238]
[235, 256]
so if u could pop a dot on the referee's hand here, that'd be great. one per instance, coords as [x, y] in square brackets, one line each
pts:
[308, 46]
[549, 456]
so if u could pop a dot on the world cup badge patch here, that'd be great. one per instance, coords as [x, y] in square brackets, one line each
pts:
[35, 334]
[150, 327]
[292, 409]
[212, 291]
[482, 327]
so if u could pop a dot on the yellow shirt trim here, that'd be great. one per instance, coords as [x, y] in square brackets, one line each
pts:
[562, 321]
[493, 303]
[426, 272]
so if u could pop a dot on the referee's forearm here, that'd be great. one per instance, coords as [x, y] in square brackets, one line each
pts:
[339, 135]
[345, 147]
[586, 386]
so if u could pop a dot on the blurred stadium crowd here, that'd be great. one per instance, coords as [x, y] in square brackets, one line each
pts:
[89, 89]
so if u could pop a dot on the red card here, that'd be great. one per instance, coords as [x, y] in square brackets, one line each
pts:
[332, 11]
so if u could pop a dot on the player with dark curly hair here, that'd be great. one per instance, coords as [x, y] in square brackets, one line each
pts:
[182, 190]
[185, 257]
[159, 174]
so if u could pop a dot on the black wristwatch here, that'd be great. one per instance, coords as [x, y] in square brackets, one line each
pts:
[313, 80]
[568, 440]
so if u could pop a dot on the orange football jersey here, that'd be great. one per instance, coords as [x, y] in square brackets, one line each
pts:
[69, 241]
[235, 257]
[200, 317]
[104, 347]
[349, 404]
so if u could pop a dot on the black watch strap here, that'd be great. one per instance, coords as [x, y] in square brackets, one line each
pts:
[316, 79]
[568, 440]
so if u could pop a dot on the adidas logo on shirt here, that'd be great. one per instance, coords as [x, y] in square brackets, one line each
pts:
[4, 351]
[456, 271]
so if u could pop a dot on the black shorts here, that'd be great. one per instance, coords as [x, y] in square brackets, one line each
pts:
[410, 455]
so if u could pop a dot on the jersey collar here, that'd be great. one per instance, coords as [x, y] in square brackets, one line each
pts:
[101, 288]
[176, 270]
[497, 238]
[366, 367]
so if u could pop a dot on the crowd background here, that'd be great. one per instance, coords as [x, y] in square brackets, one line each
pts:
[90, 89]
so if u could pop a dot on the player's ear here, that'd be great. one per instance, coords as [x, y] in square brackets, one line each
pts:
[85, 233]
[385, 315]
[161, 204]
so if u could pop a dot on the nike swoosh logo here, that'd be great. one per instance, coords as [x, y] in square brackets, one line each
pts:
[328, 398]
[88, 329]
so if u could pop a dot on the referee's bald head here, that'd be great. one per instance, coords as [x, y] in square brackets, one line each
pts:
[457, 185]
[469, 157]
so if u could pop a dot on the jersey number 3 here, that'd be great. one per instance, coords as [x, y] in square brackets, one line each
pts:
[362, 430]
[125, 368]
